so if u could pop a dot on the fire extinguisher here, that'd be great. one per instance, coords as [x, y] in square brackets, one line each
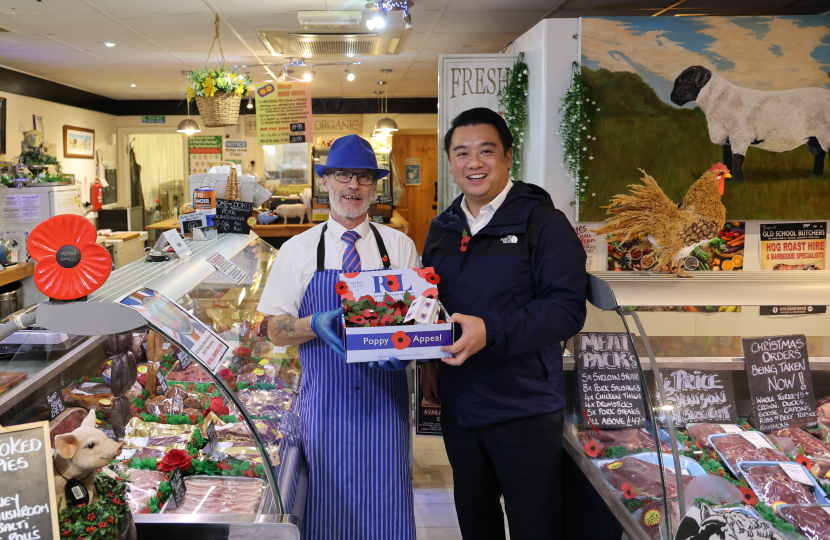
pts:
[96, 195]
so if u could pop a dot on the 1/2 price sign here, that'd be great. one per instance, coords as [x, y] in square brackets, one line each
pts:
[780, 384]
[608, 380]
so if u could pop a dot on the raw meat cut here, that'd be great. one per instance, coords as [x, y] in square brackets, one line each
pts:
[220, 496]
[771, 484]
[143, 486]
[254, 373]
[237, 431]
[700, 433]
[734, 448]
[641, 475]
[193, 373]
[811, 445]
[66, 422]
[631, 438]
[823, 411]
[811, 521]
[820, 467]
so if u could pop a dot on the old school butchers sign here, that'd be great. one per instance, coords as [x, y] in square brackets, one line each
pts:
[466, 81]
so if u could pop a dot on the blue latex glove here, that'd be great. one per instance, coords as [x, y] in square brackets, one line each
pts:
[323, 324]
[393, 364]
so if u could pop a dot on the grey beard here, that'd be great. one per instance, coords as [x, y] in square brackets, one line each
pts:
[338, 208]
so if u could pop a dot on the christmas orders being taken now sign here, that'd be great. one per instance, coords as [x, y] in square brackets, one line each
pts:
[283, 113]
[393, 314]
[793, 246]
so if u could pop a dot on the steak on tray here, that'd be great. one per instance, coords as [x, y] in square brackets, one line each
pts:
[700, 433]
[811, 521]
[734, 448]
[631, 438]
[811, 445]
[641, 475]
[771, 484]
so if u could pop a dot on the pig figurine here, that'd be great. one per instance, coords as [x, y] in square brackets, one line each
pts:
[79, 454]
[286, 211]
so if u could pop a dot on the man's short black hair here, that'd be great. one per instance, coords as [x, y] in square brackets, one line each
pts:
[475, 117]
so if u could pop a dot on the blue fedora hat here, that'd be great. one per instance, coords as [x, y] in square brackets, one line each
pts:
[351, 152]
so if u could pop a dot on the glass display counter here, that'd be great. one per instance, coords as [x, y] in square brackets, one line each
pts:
[666, 415]
[176, 363]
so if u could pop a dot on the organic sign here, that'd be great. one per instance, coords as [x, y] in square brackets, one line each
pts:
[283, 113]
[608, 380]
[700, 396]
[780, 385]
[28, 510]
[232, 216]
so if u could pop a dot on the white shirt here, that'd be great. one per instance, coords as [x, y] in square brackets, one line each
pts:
[296, 262]
[486, 212]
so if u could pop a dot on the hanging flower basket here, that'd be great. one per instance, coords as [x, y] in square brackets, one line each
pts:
[218, 92]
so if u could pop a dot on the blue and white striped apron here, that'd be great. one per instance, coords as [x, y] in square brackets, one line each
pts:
[355, 433]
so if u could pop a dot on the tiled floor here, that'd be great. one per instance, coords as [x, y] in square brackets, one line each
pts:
[435, 517]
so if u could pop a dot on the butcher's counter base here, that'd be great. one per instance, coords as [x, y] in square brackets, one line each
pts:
[617, 508]
[217, 527]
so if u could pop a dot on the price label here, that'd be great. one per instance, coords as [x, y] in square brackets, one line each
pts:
[177, 487]
[213, 440]
[296, 139]
[385, 199]
[757, 440]
[323, 200]
[55, 404]
[184, 360]
[300, 126]
[796, 472]
[162, 382]
[731, 428]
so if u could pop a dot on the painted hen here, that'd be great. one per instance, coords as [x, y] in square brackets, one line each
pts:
[673, 231]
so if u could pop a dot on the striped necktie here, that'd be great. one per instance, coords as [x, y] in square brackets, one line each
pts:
[351, 258]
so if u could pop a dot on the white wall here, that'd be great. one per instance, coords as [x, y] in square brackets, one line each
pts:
[550, 50]
[19, 109]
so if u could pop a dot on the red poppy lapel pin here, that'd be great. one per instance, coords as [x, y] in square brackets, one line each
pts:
[70, 264]
[465, 240]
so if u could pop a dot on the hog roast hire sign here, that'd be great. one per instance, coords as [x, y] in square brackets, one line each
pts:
[466, 81]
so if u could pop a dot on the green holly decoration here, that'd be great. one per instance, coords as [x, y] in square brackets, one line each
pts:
[512, 99]
[578, 113]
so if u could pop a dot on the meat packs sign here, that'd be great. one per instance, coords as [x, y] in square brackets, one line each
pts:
[780, 385]
[608, 381]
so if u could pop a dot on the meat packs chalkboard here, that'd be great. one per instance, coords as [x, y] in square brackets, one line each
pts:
[780, 385]
[28, 509]
[232, 216]
[608, 380]
[698, 395]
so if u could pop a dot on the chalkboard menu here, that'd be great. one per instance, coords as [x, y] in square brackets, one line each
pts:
[177, 487]
[608, 380]
[232, 216]
[28, 509]
[780, 385]
[55, 404]
[162, 382]
[698, 395]
[184, 360]
[213, 439]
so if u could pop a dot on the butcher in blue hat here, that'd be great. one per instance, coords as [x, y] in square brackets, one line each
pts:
[355, 417]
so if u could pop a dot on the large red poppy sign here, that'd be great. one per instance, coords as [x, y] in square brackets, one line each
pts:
[70, 265]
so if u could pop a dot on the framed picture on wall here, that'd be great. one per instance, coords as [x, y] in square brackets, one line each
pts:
[2, 125]
[78, 142]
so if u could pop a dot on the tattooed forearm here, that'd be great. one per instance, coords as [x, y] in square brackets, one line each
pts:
[286, 330]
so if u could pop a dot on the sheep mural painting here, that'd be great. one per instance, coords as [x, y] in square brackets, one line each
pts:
[778, 121]
[679, 93]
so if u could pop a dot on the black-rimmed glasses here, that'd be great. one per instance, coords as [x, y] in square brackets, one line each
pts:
[364, 179]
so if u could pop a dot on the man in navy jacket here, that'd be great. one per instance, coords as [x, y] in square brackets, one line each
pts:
[513, 277]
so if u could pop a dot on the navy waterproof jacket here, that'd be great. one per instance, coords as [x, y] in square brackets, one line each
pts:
[524, 275]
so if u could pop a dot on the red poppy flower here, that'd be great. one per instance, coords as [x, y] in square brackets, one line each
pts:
[392, 283]
[358, 319]
[348, 295]
[430, 293]
[367, 298]
[350, 275]
[369, 313]
[70, 265]
[464, 242]
[341, 288]
[628, 491]
[400, 340]
[386, 320]
[389, 300]
[801, 459]
[435, 279]
[373, 323]
[385, 258]
[591, 449]
[749, 496]
[422, 272]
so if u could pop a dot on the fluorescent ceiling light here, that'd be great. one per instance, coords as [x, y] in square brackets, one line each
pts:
[329, 19]
[109, 44]
[132, 86]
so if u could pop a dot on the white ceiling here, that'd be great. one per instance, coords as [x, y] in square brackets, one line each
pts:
[62, 40]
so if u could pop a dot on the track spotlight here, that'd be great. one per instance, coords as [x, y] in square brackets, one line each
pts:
[349, 75]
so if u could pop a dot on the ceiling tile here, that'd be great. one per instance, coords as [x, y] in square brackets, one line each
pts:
[155, 24]
[269, 6]
[70, 25]
[150, 6]
[492, 21]
[423, 66]
[18, 42]
[95, 42]
[45, 9]
[493, 40]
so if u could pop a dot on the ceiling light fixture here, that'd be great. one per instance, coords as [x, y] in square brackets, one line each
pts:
[308, 75]
[329, 19]
[386, 125]
[349, 75]
[250, 103]
[188, 126]
[109, 44]
[383, 7]
[132, 86]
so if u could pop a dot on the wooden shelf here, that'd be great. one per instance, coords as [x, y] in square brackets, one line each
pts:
[16, 273]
